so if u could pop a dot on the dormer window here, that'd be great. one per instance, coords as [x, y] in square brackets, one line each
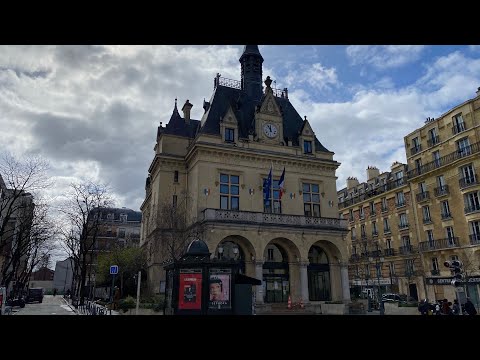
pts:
[123, 217]
[229, 135]
[307, 147]
[110, 216]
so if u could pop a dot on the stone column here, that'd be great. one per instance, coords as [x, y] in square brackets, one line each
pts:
[259, 288]
[345, 283]
[304, 281]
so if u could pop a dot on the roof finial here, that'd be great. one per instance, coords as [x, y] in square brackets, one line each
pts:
[305, 117]
[175, 102]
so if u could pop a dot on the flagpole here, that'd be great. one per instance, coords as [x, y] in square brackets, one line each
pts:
[272, 201]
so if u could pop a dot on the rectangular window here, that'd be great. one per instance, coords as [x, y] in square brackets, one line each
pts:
[474, 232]
[430, 238]
[362, 214]
[472, 202]
[422, 187]
[121, 233]
[458, 124]
[374, 228]
[277, 203]
[364, 234]
[175, 176]
[391, 268]
[445, 209]
[386, 226]
[454, 257]
[398, 178]
[403, 220]
[435, 264]
[418, 165]
[174, 201]
[468, 174]
[384, 204]
[450, 235]
[354, 234]
[229, 192]
[416, 143]
[351, 215]
[372, 208]
[307, 147]
[441, 181]
[463, 147]
[426, 214]
[388, 243]
[406, 241]
[229, 135]
[400, 199]
[123, 217]
[436, 158]
[409, 267]
[432, 136]
[311, 200]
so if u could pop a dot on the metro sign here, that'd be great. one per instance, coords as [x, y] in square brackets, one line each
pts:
[113, 269]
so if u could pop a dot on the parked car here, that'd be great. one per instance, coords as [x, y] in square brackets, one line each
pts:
[35, 294]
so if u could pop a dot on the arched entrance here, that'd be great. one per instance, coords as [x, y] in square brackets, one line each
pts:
[275, 274]
[228, 249]
[319, 288]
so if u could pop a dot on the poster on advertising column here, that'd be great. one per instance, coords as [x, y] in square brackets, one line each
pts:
[220, 285]
[190, 289]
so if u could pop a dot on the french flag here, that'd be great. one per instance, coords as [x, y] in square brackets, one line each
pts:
[281, 184]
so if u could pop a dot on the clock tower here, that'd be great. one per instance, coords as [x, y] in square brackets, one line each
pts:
[269, 119]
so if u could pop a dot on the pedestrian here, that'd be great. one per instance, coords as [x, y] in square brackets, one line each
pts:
[54, 292]
[470, 308]
[456, 308]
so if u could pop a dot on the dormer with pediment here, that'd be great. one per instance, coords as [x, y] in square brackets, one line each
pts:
[306, 138]
[269, 118]
[229, 127]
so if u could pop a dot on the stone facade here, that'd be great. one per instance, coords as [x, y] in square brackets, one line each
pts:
[210, 174]
[443, 156]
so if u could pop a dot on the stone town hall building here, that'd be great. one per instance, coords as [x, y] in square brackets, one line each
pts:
[214, 169]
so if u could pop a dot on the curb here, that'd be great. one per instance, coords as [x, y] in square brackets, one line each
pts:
[70, 306]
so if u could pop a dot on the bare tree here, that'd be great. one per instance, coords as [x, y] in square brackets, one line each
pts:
[20, 183]
[80, 211]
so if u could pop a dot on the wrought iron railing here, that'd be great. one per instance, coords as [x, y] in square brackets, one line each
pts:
[444, 160]
[406, 249]
[416, 149]
[472, 208]
[458, 128]
[468, 181]
[389, 252]
[446, 215]
[441, 190]
[433, 141]
[475, 239]
[235, 84]
[423, 196]
[431, 245]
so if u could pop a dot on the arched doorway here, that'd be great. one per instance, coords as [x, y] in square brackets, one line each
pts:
[275, 274]
[318, 270]
[231, 250]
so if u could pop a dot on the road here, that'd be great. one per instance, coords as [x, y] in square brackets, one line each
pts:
[51, 305]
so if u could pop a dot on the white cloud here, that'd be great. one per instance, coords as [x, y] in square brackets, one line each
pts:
[474, 47]
[315, 75]
[384, 56]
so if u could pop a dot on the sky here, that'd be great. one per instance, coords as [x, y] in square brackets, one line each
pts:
[93, 111]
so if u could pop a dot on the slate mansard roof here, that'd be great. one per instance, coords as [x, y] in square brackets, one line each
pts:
[244, 107]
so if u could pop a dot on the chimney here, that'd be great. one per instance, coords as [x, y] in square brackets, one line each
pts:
[186, 111]
[352, 182]
[372, 172]
[478, 91]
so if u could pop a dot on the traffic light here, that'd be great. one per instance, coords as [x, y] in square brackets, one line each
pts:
[456, 270]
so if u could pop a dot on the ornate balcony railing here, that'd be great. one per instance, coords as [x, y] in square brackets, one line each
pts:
[446, 216]
[472, 208]
[444, 160]
[438, 244]
[459, 128]
[389, 252]
[423, 196]
[416, 149]
[235, 84]
[469, 181]
[433, 141]
[441, 190]
[380, 189]
[405, 250]
[256, 218]
[475, 239]
[403, 226]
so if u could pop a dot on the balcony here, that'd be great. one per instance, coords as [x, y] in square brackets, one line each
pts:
[446, 216]
[435, 272]
[403, 226]
[384, 209]
[374, 233]
[258, 218]
[364, 237]
[472, 208]
[416, 149]
[400, 204]
[433, 141]
[458, 128]
[441, 191]
[405, 250]
[432, 245]
[475, 239]
[389, 252]
[427, 221]
[423, 196]
[373, 213]
[469, 181]
[376, 253]
[444, 160]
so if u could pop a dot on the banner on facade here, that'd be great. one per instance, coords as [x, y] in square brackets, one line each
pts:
[448, 280]
[219, 285]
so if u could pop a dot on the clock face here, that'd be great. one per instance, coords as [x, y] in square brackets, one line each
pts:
[270, 130]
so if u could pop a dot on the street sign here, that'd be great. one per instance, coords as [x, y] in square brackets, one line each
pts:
[113, 269]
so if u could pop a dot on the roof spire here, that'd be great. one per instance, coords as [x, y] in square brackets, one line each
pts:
[175, 109]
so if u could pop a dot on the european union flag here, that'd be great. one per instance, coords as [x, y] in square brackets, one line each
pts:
[267, 184]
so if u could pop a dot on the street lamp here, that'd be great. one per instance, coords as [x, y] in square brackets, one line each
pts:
[378, 266]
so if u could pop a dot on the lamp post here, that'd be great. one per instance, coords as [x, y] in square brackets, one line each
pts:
[378, 266]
